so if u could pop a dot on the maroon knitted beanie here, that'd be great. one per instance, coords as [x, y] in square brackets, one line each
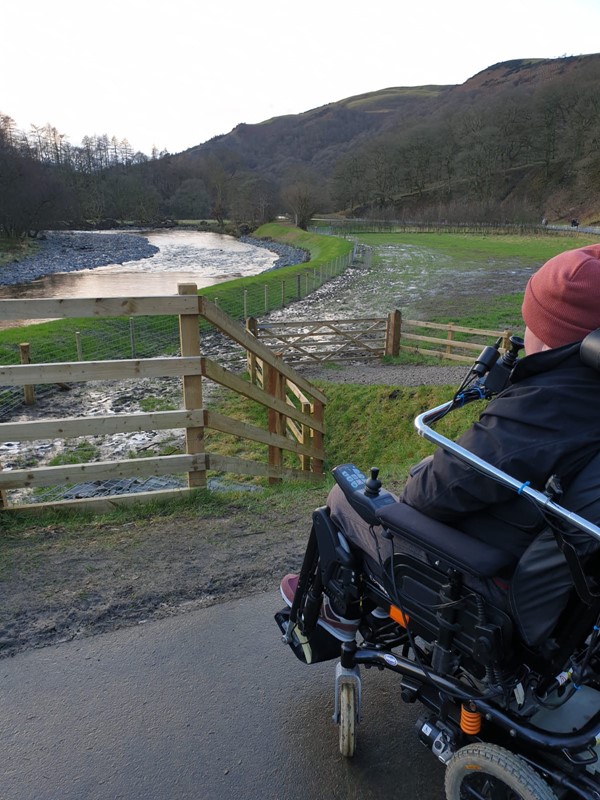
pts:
[562, 299]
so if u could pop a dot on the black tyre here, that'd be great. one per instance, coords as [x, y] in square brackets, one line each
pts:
[487, 772]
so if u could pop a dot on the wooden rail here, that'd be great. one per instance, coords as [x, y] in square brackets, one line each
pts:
[469, 343]
[289, 398]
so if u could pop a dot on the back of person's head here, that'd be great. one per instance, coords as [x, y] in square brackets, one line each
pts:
[562, 299]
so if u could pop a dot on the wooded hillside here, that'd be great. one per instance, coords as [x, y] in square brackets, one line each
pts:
[517, 142]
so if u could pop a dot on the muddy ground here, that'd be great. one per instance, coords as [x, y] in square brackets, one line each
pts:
[59, 583]
[62, 581]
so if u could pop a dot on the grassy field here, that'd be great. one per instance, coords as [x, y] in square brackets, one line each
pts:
[533, 248]
[441, 253]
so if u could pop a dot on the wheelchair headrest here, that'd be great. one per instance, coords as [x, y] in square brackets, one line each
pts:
[590, 350]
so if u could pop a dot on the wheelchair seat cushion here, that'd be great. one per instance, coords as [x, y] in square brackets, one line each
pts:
[463, 552]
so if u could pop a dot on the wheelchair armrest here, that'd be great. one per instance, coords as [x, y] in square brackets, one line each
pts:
[460, 550]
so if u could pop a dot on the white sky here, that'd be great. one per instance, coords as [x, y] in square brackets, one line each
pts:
[174, 74]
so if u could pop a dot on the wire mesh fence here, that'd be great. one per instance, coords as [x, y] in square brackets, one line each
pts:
[275, 292]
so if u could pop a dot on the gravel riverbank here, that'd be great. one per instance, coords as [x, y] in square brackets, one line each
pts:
[288, 256]
[74, 250]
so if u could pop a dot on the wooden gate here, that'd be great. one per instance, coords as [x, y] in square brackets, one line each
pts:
[330, 341]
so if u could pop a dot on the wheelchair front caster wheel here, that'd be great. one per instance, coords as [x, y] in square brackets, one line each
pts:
[348, 710]
[487, 771]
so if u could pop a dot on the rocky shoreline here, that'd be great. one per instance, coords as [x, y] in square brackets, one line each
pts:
[72, 251]
[288, 256]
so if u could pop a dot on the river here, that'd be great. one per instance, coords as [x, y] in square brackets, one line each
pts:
[184, 257]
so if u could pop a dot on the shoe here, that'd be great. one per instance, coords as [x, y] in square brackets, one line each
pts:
[288, 587]
[343, 629]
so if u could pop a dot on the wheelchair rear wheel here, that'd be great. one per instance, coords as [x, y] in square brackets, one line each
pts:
[485, 772]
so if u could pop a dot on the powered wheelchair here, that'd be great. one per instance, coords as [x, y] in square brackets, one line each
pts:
[503, 653]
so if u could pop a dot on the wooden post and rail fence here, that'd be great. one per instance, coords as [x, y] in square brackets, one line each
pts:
[292, 403]
[294, 434]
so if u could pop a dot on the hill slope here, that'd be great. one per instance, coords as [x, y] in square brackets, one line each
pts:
[319, 137]
[517, 137]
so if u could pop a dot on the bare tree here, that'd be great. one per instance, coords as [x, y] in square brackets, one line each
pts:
[303, 195]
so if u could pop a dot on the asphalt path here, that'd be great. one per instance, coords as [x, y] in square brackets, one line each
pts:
[205, 705]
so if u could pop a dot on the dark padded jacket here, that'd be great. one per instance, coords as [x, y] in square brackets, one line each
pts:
[546, 422]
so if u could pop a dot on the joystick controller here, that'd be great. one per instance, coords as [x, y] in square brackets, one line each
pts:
[373, 484]
[365, 495]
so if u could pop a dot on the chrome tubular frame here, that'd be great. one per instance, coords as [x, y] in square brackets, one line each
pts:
[540, 499]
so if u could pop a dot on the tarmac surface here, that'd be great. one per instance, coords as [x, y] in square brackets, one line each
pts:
[208, 705]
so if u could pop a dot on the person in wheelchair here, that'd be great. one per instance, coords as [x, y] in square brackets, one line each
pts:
[544, 425]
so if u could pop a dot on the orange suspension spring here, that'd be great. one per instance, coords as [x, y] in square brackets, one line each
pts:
[470, 721]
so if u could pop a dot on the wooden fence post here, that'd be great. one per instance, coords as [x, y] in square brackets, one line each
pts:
[298, 287]
[306, 438]
[392, 333]
[252, 327]
[449, 337]
[28, 391]
[266, 298]
[317, 437]
[283, 294]
[274, 384]
[189, 337]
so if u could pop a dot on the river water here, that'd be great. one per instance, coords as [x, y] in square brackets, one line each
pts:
[183, 257]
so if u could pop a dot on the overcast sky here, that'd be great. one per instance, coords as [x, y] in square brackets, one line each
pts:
[174, 74]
